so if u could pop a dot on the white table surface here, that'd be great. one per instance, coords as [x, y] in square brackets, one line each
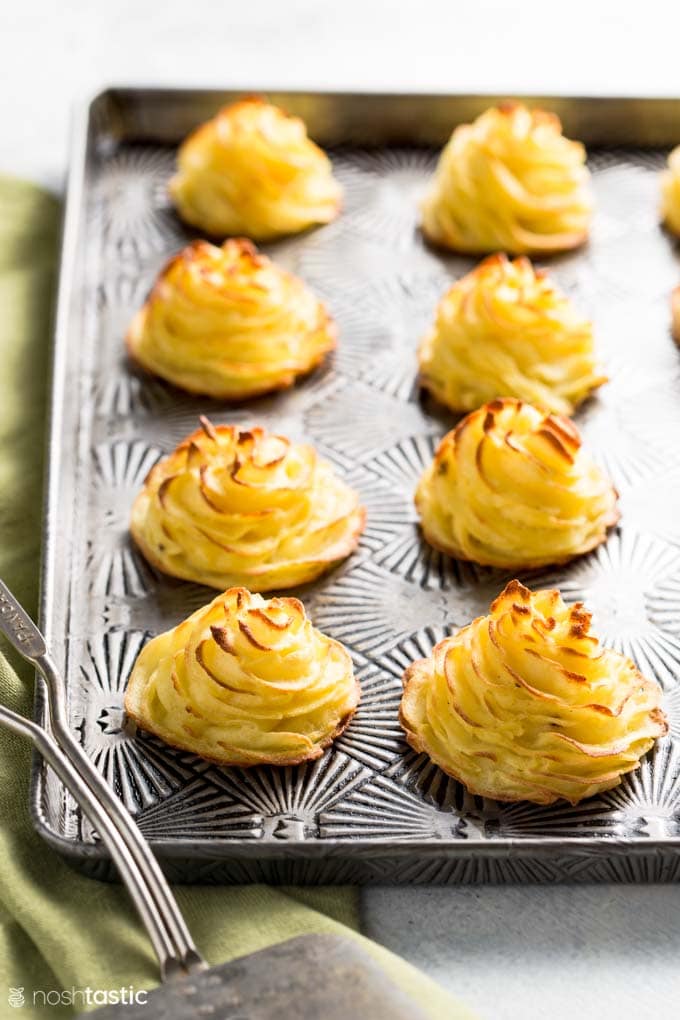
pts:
[513, 953]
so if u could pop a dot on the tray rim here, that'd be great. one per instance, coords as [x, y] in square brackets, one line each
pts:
[653, 107]
[71, 215]
[217, 849]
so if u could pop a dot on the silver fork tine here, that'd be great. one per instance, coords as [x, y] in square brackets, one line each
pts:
[171, 937]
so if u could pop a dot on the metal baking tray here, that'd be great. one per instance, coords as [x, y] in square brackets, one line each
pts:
[370, 810]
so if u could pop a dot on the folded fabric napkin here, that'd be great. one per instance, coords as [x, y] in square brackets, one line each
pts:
[58, 929]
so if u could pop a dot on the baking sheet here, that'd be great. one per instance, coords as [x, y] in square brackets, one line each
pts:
[370, 809]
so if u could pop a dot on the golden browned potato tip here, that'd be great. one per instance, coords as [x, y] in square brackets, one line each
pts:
[525, 704]
[245, 681]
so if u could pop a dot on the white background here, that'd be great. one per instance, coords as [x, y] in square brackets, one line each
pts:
[611, 953]
[52, 51]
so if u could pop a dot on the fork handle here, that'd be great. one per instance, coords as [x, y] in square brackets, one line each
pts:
[19, 628]
[129, 872]
[29, 642]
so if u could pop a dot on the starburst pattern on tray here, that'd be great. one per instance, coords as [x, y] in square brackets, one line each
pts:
[383, 190]
[389, 511]
[627, 211]
[121, 468]
[416, 646]
[142, 771]
[282, 413]
[200, 811]
[623, 191]
[115, 566]
[671, 706]
[118, 571]
[417, 773]
[291, 799]
[632, 586]
[341, 265]
[403, 550]
[648, 800]
[393, 600]
[495, 820]
[591, 817]
[349, 610]
[122, 390]
[631, 433]
[379, 333]
[379, 809]
[131, 207]
[374, 735]
[361, 423]
[651, 507]
[117, 299]
[133, 393]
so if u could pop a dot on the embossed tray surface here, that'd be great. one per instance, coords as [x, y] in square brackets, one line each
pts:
[370, 809]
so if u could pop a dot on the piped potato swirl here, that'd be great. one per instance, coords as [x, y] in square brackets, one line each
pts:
[244, 681]
[525, 704]
[509, 182]
[233, 506]
[670, 193]
[229, 323]
[252, 170]
[512, 487]
[505, 330]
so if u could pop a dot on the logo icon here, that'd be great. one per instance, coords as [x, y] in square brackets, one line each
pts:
[16, 998]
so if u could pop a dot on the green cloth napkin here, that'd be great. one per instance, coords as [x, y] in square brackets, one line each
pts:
[59, 929]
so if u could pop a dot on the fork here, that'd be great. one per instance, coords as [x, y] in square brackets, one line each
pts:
[138, 867]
